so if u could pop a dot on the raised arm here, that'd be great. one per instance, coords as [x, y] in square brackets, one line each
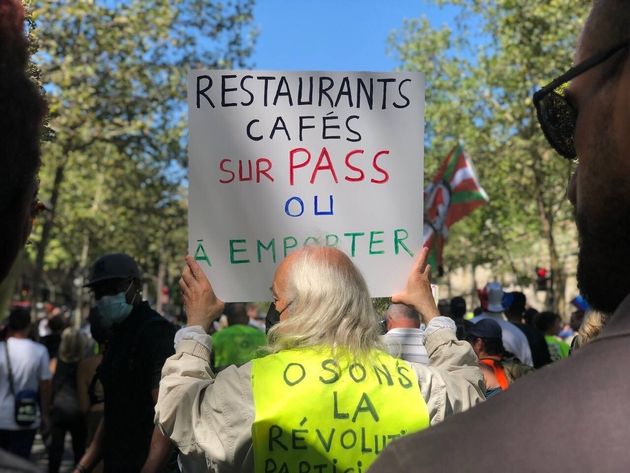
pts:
[417, 292]
[195, 410]
[453, 381]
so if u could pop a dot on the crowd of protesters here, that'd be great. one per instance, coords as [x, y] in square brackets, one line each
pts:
[67, 362]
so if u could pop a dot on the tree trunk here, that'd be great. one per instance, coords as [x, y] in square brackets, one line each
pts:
[555, 299]
[159, 283]
[80, 308]
[49, 222]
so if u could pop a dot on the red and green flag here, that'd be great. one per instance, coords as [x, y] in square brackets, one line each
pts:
[454, 193]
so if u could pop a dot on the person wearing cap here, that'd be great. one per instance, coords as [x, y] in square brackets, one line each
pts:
[498, 369]
[140, 341]
[514, 340]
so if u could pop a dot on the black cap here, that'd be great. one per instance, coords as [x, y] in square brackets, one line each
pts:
[113, 266]
[486, 328]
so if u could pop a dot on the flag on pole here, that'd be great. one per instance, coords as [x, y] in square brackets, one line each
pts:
[454, 193]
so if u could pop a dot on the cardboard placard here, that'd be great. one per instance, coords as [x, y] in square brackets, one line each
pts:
[282, 159]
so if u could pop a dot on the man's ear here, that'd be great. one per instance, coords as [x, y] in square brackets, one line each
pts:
[133, 295]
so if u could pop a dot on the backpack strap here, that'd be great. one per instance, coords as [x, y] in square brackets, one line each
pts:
[11, 385]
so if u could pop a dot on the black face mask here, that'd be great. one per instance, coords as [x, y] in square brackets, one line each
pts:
[272, 317]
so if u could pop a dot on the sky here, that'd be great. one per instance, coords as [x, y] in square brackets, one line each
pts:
[334, 35]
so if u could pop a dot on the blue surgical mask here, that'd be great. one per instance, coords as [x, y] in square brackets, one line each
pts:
[114, 309]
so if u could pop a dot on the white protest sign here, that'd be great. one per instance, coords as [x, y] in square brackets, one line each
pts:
[278, 160]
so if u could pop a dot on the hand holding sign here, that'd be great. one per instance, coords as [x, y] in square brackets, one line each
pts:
[280, 160]
[201, 303]
[417, 293]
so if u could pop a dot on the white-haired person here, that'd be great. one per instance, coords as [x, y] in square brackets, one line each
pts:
[321, 400]
[405, 337]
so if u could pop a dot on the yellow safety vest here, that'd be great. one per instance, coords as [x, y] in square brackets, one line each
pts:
[319, 414]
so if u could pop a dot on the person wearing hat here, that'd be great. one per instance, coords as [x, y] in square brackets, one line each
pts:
[139, 343]
[498, 369]
[514, 340]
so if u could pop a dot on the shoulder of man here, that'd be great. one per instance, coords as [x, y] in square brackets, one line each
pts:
[156, 330]
[514, 369]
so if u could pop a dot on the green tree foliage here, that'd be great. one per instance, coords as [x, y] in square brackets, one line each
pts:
[480, 78]
[113, 175]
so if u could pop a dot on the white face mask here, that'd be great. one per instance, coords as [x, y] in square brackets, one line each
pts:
[114, 309]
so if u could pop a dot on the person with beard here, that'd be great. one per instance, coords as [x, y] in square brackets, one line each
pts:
[589, 119]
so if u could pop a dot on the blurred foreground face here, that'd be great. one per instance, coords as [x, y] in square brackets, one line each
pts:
[21, 112]
[599, 189]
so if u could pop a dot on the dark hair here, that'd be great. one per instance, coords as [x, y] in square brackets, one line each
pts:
[545, 320]
[492, 346]
[529, 316]
[518, 302]
[19, 319]
[236, 313]
[56, 324]
[458, 307]
[21, 112]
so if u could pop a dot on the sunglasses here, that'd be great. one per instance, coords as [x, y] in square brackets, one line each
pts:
[556, 115]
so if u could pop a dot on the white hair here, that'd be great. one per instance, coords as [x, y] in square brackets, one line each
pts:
[395, 311]
[329, 305]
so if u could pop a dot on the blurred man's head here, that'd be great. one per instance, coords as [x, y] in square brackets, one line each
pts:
[401, 316]
[599, 189]
[444, 307]
[236, 313]
[486, 338]
[114, 274]
[56, 324]
[322, 299]
[548, 323]
[21, 113]
[115, 283]
[252, 311]
[514, 312]
[19, 320]
[529, 316]
[458, 307]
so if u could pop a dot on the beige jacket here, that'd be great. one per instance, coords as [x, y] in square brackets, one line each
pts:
[209, 417]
